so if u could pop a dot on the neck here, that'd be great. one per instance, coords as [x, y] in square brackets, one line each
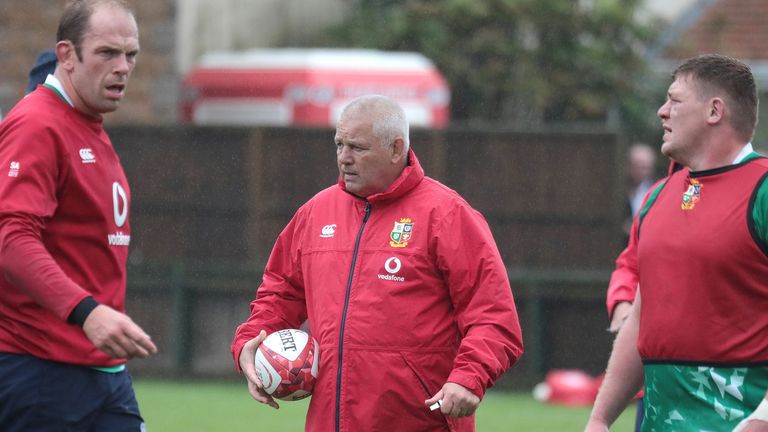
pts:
[71, 94]
[720, 156]
[717, 147]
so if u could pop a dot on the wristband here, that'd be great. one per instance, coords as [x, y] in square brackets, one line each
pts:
[82, 310]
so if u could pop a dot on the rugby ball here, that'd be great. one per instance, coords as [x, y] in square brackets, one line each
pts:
[287, 364]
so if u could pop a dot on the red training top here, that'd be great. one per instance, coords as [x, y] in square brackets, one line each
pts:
[703, 270]
[64, 230]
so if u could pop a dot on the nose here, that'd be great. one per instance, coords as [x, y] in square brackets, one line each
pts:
[123, 64]
[343, 155]
[663, 111]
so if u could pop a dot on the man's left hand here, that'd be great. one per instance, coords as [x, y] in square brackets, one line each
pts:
[455, 400]
[116, 334]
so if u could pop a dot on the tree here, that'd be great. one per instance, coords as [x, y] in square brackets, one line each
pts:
[520, 62]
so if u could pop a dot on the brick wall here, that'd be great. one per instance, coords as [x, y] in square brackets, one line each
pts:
[29, 26]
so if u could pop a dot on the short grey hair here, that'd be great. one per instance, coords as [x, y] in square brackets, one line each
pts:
[387, 117]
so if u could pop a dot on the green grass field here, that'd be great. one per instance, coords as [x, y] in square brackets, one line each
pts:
[205, 406]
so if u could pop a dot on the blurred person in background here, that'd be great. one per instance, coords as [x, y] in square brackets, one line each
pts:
[403, 286]
[641, 167]
[64, 236]
[44, 65]
[696, 332]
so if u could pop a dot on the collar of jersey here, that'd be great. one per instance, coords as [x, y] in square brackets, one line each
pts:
[54, 84]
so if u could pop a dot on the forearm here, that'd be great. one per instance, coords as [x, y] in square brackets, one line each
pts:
[489, 347]
[623, 284]
[27, 264]
[624, 375]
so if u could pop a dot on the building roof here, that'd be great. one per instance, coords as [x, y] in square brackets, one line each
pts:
[737, 28]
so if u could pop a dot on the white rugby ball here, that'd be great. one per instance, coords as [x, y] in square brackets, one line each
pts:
[287, 364]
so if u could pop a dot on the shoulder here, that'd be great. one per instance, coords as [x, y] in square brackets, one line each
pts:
[38, 112]
[761, 161]
[446, 206]
[440, 195]
[326, 198]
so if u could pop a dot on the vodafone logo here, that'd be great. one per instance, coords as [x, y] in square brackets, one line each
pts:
[392, 265]
[328, 231]
[119, 203]
[120, 207]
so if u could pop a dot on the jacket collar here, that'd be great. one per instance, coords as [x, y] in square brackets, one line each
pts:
[411, 176]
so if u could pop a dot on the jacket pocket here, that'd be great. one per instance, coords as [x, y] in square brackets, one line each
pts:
[427, 370]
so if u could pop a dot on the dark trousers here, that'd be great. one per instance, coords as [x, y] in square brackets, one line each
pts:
[39, 395]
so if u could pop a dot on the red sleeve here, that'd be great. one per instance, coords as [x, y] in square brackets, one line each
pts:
[482, 298]
[624, 279]
[27, 264]
[280, 301]
[30, 177]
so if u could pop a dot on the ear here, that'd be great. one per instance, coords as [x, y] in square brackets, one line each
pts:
[66, 55]
[398, 151]
[716, 111]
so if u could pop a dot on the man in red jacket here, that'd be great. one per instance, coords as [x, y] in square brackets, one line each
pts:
[64, 236]
[402, 284]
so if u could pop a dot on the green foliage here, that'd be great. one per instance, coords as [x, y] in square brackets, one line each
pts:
[519, 62]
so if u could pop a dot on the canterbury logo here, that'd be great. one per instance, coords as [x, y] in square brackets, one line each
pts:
[87, 156]
[328, 231]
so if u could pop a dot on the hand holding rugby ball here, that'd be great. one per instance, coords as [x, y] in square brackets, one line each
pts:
[287, 364]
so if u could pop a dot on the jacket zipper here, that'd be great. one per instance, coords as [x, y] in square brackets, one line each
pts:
[344, 315]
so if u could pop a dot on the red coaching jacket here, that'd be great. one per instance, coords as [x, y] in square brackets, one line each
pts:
[404, 291]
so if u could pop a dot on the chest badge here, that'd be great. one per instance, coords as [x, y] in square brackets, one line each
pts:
[401, 233]
[14, 170]
[692, 195]
[87, 156]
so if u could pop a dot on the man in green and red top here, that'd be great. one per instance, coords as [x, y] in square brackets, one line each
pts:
[697, 333]
[64, 236]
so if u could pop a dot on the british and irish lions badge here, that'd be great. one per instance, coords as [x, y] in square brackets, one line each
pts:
[692, 195]
[401, 233]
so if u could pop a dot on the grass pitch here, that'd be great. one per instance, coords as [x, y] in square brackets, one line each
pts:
[213, 406]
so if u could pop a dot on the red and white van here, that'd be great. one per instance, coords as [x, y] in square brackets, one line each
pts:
[309, 87]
